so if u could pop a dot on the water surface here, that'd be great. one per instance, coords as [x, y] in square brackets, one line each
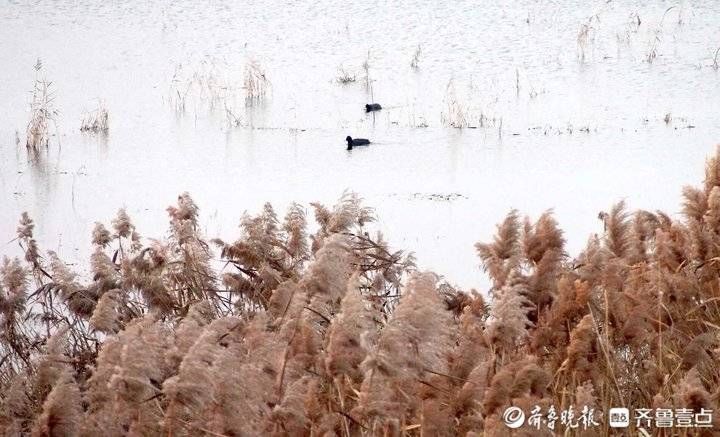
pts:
[552, 129]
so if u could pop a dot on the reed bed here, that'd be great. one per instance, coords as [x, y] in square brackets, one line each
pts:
[331, 332]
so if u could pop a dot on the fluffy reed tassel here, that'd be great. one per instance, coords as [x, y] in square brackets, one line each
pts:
[691, 393]
[712, 172]
[695, 204]
[78, 300]
[105, 318]
[61, 410]
[100, 235]
[583, 350]
[345, 352]
[122, 224]
[509, 325]
[501, 257]
[468, 402]
[13, 295]
[245, 385]
[616, 229]
[17, 410]
[712, 215]
[416, 340]
[188, 394]
[129, 373]
[289, 417]
[471, 348]
[515, 380]
[29, 245]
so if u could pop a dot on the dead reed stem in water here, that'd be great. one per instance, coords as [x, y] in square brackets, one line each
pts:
[455, 113]
[415, 61]
[344, 76]
[96, 121]
[42, 111]
[256, 83]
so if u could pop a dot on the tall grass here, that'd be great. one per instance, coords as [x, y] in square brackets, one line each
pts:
[331, 332]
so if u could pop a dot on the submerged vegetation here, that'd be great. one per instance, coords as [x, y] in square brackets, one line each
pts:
[291, 332]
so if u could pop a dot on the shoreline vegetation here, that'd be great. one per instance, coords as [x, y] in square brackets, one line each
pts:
[334, 333]
[309, 325]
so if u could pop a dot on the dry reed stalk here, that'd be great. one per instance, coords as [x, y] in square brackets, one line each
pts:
[415, 61]
[586, 36]
[255, 82]
[455, 114]
[366, 69]
[657, 36]
[42, 112]
[202, 86]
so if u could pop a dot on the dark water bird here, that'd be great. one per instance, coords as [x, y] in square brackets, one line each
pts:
[370, 107]
[353, 142]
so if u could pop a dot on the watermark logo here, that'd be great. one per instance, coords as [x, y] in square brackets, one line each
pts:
[514, 417]
[619, 418]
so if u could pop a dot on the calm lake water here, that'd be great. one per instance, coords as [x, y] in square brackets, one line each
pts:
[564, 119]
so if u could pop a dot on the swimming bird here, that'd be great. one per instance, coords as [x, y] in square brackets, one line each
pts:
[370, 107]
[352, 142]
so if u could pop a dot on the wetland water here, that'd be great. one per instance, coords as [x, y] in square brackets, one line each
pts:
[564, 119]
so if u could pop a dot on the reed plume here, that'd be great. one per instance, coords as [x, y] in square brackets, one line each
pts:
[301, 329]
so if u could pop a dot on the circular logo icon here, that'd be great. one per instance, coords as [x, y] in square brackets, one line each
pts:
[513, 417]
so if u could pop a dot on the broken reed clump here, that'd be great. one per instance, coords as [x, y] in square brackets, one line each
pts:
[332, 333]
[96, 121]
